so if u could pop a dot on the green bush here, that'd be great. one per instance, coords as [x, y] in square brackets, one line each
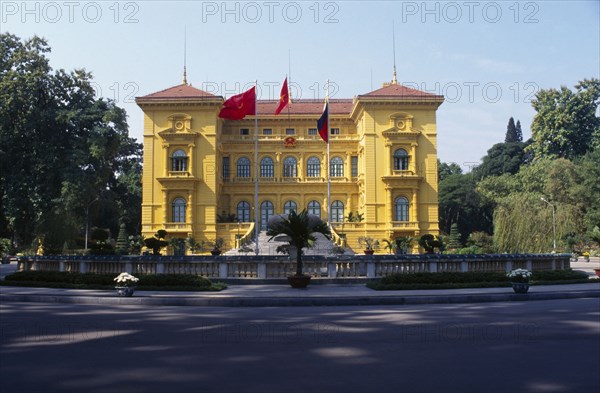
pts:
[106, 281]
[173, 280]
[443, 278]
[471, 280]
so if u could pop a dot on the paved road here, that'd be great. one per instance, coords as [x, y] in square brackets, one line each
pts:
[543, 346]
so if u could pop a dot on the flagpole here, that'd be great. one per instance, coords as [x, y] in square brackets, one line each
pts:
[256, 207]
[328, 160]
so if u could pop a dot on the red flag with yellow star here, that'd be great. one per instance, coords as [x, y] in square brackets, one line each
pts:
[284, 97]
[239, 106]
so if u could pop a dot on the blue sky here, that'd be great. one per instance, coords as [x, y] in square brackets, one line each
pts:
[487, 57]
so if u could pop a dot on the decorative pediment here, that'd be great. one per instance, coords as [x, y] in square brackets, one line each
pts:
[401, 128]
[395, 134]
[180, 122]
[173, 136]
[401, 121]
[178, 182]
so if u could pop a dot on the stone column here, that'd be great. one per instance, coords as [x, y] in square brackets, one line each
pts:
[414, 211]
[389, 209]
[165, 207]
[412, 162]
[189, 217]
[166, 155]
[191, 162]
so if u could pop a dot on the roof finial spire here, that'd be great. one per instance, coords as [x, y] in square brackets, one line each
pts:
[394, 80]
[184, 55]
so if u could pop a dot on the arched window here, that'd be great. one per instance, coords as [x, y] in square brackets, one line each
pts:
[289, 167]
[289, 206]
[267, 168]
[400, 160]
[266, 211]
[179, 161]
[243, 167]
[337, 211]
[243, 211]
[314, 208]
[313, 167]
[337, 167]
[178, 210]
[401, 209]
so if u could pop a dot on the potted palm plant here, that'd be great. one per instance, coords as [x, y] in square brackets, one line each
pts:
[299, 230]
[402, 244]
[369, 244]
[219, 243]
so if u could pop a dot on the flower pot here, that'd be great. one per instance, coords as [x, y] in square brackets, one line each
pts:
[125, 291]
[299, 282]
[520, 287]
[216, 252]
[369, 252]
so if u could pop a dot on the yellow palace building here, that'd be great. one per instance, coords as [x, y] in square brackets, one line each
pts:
[199, 170]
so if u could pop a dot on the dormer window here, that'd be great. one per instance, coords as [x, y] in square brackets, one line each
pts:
[179, 161]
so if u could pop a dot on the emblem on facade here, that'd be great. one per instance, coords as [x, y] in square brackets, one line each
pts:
[290, 141]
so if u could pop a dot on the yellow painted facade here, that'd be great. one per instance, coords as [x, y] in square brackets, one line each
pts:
[199, 168]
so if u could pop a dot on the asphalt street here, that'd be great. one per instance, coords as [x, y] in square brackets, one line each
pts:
[542, 346]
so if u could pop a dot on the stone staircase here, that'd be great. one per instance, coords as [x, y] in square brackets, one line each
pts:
[265, 247]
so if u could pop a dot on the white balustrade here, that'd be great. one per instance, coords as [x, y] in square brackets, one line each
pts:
[358, 266]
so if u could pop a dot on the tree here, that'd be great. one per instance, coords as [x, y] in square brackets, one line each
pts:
[430, 242]
[522, 221]
[512, 134]
[566, 124]
[460, 203]
[60, 148]
[500, 159]
[588, 188]
[445, 170]
[299, 229]
[519, 132]
[157, 242]
[454, 238]
[122, 246]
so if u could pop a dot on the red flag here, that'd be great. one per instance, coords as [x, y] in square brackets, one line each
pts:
[284, 97]
[323, 124]
[239, 106]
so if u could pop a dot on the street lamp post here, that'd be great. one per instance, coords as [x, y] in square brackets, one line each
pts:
[553, 223]
[87, 220]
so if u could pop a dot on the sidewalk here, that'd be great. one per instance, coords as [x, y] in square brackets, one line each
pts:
[284, 296]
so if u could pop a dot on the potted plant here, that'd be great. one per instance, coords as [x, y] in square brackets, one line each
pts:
[390, 245]
[125, 284]
[402, 244]
[298, 229]
[217, 246]
[520, 278]
[369, 244]
[586, 256]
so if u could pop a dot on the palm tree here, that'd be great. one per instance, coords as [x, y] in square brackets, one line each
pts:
[299, 229]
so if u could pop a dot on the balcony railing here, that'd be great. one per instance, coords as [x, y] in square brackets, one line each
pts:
[289, 179]
[177, 226]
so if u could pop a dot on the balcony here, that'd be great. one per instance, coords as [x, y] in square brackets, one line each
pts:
[410, 225]
[179, 174]
[177, 227]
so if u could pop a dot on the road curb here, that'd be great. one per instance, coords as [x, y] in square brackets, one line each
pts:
[248, 301]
